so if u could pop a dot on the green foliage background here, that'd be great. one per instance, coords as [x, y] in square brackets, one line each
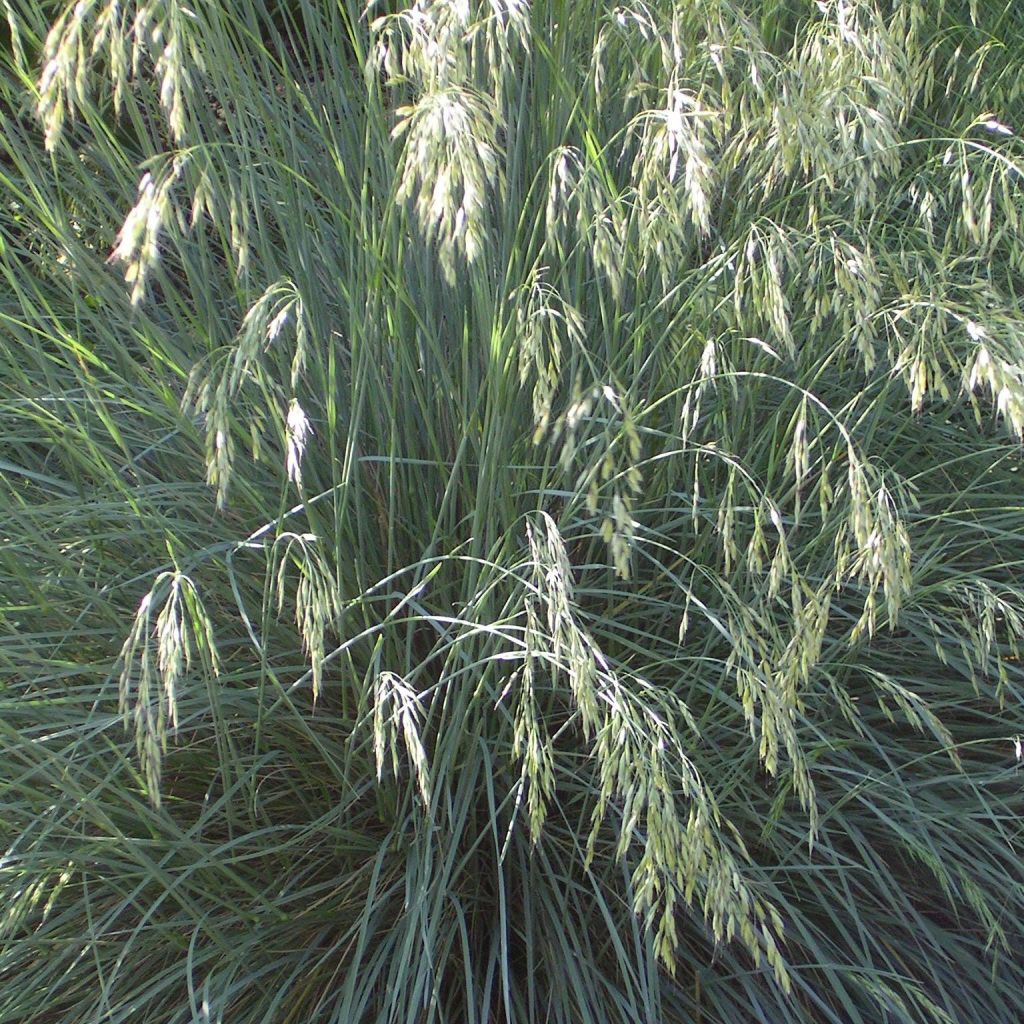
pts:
[511, 512]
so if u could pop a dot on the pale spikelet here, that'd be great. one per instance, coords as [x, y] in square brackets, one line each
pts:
[610, 476]
[297, 431]
[993, 632]
[673, 176]
[713, 358]
[989, 366]
[213, 387]
[426, 44]
[547, 329]
[614, 49]
[551, 589]
[988, 637]
[759, 549]
[917, 324]
[512, 15]
[280, 306]
[397, 710]
[854, 299]
[1002, 378]
[994, 126]
[502, 51]
[667, 811]
[606, 232]
[726, 518]
[315, 593]
[926, 202]
[16, 42]
[24, 899]
[881, 554]
[840, 102]
[985, 610]
[663, 809]
[794, 666]
[914, 709]
[138, 240]
[765, 265]
[566, 173]
[171, 631]
[110, 34]
[62, 84]
[680, 141]
[981, 190]
[799, 455]
[530, 743]
[770, 666]
[161, 30]
[450, 168]
[166, 32]
[580, 208]
[172, 70]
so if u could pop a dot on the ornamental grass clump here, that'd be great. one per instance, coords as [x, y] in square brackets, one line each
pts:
[510, 512]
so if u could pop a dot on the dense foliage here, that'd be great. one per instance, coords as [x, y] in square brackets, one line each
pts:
[510, 512]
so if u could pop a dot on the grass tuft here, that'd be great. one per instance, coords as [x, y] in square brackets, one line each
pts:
[510, 513]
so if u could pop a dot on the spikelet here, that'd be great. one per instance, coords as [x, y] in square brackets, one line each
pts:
[162, 31]
[171, 635]
[547, 329]
[214, 387]
[315, 593]
[663, 811]
[138, 240]
[397, 712]
[451, 166]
